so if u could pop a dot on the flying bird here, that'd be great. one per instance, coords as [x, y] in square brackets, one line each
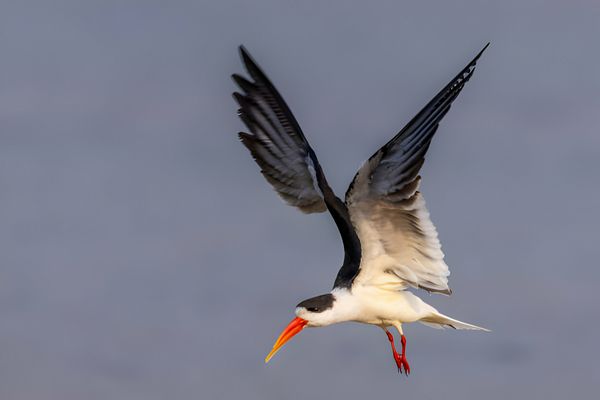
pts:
[390, 244]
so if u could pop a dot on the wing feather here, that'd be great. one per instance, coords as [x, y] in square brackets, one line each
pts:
[286, 160]
[276, 141]
[400, 245]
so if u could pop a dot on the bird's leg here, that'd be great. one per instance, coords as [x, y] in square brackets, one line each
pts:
[402, 360]
[397, 357]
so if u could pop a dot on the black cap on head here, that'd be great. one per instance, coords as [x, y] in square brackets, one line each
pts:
[319, 303]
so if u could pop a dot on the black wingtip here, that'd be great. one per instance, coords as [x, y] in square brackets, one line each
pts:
[480, 53]
[466, 73]
[247, 59]
[252, 67]
[243, 83]
[239, 98]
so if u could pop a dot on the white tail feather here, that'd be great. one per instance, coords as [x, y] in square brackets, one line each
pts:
[440, 321]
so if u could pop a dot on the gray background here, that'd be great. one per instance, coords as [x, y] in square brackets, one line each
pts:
[142, 256]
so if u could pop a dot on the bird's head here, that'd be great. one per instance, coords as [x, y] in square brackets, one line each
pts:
[313, 312]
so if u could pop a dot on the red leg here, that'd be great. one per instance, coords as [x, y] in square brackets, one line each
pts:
[400, 359]
[403, 358]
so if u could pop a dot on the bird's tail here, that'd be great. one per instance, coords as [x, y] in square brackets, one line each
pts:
[441, 321]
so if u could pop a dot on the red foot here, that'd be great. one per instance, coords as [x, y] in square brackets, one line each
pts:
[401, 361]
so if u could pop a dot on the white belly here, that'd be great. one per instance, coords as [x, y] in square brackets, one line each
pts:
[372, 305]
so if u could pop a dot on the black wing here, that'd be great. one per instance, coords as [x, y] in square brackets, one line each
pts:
[287, 161]
[399, 240]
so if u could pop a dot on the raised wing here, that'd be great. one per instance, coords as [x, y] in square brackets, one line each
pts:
[287, 161]
[276, 141]
[400, 245]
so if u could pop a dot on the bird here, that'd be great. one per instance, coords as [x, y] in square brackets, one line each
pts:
[391, 247]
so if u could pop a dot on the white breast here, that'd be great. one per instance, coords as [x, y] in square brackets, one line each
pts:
[377, 306]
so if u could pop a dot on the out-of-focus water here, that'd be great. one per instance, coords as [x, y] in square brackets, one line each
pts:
[142, 256]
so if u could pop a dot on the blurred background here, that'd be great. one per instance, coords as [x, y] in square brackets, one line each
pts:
[143, 256]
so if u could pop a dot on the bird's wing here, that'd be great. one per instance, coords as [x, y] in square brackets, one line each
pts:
[400, 245]
[287, 161]
[276, 141]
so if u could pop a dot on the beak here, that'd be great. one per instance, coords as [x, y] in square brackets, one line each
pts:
[289, 332]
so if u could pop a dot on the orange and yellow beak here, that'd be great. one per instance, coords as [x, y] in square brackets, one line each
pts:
[289, 332]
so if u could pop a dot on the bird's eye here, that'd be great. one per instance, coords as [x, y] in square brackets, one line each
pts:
[312, 309]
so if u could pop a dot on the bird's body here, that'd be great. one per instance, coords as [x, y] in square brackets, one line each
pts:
[372, 305]
[390, 243]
